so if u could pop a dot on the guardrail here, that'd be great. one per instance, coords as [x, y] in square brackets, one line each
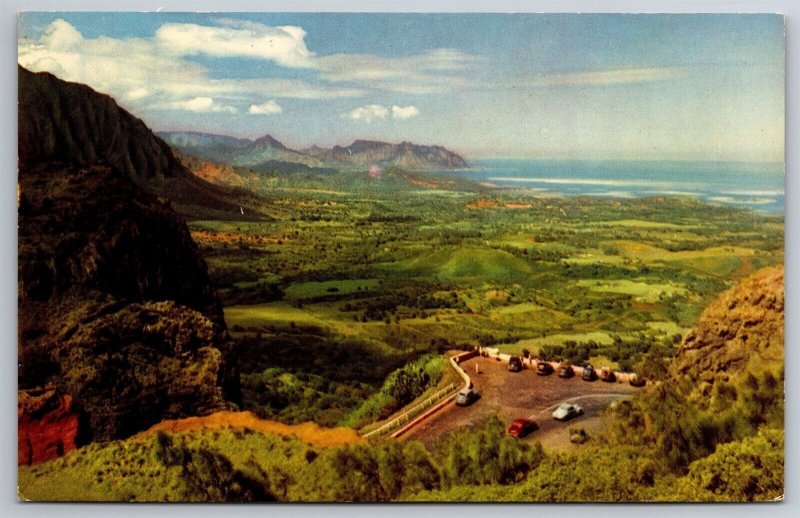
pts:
[406, 417]
[407, 420]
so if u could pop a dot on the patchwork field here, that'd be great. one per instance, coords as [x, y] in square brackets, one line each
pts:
[385, 271]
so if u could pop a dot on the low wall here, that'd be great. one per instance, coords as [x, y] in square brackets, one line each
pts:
[533, 363]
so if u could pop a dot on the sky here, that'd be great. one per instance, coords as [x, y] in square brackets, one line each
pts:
[578, 86]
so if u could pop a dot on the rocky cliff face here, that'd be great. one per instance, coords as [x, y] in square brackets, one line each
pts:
[90, 228]
[742, 330]
[116, 309]
[48, 426]
[62, 120]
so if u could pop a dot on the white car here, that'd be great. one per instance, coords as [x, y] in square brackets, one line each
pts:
[467, 396]
[567, 411]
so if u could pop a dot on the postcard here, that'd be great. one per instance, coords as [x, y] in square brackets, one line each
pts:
[365, 257]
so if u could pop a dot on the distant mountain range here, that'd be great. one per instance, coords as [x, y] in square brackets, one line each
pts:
[268, 154]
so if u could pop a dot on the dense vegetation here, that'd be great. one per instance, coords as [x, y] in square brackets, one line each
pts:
[311, 349]
[669, 458]
[351, 277]
[342, 290]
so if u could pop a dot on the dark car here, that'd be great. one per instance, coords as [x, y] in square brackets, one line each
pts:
[544, 369]
[608, 375]
[637, 381]
[566, 371]
[589, 373]
[467, 396]
[522, 427]
[514, 364]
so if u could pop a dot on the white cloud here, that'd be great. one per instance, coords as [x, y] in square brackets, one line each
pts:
[267, 108]
[372, 112]
[608, 77]
[61, 34]
[157, 73]
[284, 45]
[436, 71]
[404, 112]
[200, 105]
[141, 74]
[368, 113]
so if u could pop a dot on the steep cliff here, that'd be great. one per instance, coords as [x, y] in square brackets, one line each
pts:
[116, 309]
[742, 330]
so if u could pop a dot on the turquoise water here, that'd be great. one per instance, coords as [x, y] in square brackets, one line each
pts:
[758, 186]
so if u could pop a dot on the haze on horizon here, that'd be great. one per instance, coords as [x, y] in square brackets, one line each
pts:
[690, 87]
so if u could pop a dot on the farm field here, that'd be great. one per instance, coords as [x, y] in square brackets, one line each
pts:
[377, 273]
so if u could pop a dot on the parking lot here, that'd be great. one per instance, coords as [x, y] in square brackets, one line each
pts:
[525, 394]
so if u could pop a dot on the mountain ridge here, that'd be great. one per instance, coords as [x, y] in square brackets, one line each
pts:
[73, 123]
[266, 150]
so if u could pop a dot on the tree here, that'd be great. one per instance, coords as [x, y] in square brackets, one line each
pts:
[746, 470]
[209, 476]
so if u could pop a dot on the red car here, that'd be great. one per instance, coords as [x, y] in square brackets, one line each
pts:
[522, 427]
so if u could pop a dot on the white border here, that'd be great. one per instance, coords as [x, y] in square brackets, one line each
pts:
[8, 254]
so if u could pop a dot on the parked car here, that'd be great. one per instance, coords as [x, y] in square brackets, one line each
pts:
[566, 411]
[514, 364]
[522, 427]
[544, 369]
[607, 375]
[637, 381]
[566, 371]
[467, 396]
[589, 373]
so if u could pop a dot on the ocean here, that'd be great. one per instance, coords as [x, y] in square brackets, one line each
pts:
[757, 186]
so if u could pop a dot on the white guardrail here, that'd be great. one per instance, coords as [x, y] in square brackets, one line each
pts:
[414, 415]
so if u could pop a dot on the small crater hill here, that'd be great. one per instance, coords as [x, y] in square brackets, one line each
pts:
[743, 330]
[116, 309]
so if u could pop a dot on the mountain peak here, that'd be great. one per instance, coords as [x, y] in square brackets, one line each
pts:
[269, 141]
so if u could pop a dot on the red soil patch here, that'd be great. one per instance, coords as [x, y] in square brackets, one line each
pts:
[47, 426]
[310, 433]
[214, 173]
[422, 183]
[482, 204]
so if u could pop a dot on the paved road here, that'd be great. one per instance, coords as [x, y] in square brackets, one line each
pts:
[524, 394]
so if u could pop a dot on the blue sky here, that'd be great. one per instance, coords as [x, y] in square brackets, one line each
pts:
[706, 87]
